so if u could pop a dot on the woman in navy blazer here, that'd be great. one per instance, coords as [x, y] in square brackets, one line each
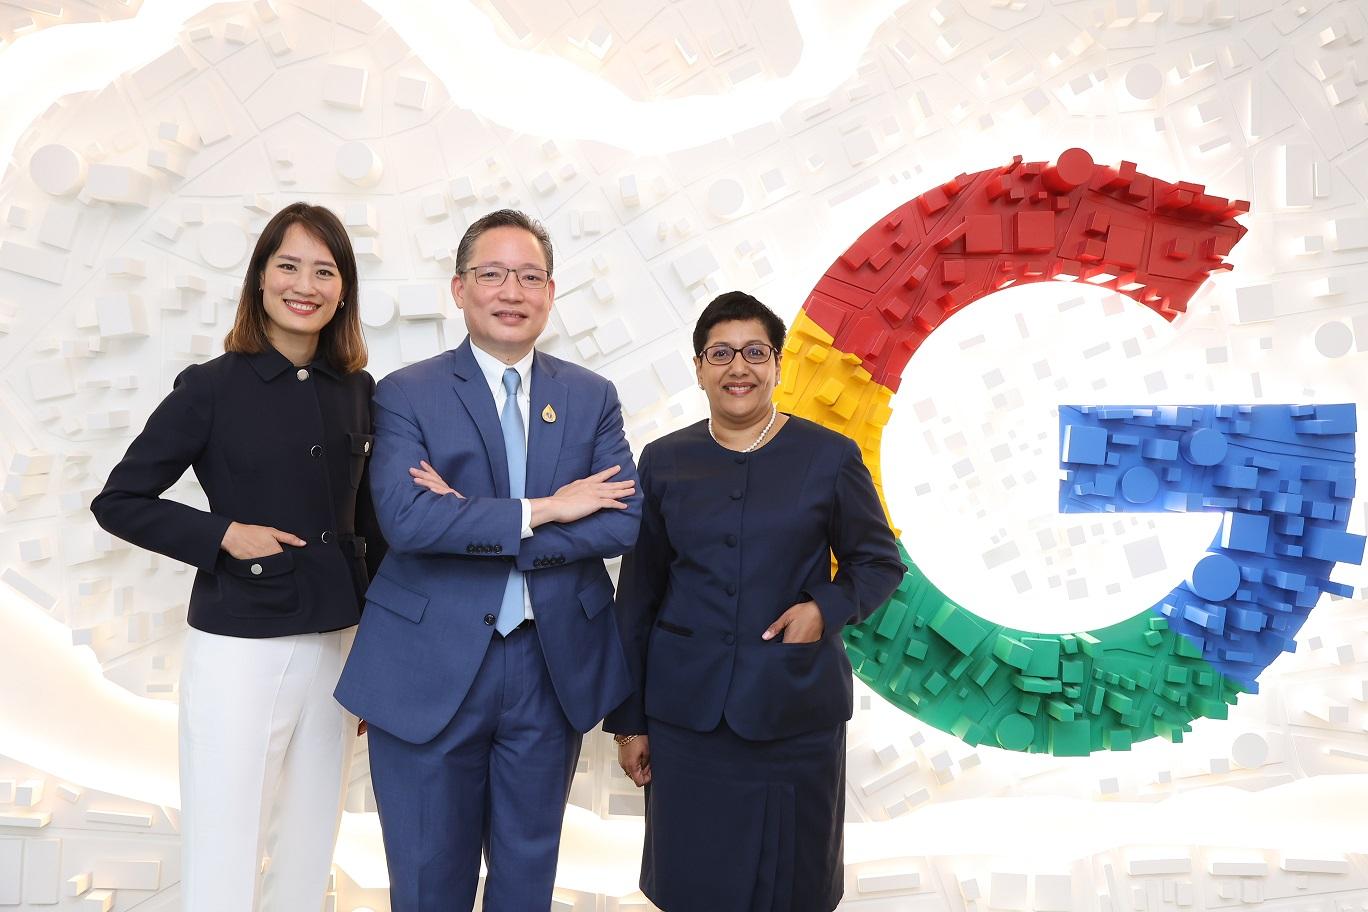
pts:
[732, 625]
[278, 433]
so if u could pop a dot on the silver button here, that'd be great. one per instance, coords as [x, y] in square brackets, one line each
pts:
[302, 374]
[315, 450]
[365, 447]
[256, 569]
[326, 538]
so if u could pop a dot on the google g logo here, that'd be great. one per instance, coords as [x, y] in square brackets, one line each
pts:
[1282, 476]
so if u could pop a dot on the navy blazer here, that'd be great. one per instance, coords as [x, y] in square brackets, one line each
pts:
[729, 542]
[432, 606]
[271, 445]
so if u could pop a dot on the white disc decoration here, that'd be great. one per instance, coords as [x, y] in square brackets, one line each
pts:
[377, 308]
[1334, 339]
[222, 244]
[726, 197]
[57, 169]
[359, 163]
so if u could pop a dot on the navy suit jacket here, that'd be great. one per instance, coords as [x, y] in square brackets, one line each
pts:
[431, 608]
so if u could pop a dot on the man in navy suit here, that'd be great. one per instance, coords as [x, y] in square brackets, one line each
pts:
[486, 647]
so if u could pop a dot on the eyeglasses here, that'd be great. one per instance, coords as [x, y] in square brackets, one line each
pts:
[722, 354]
[532, 277]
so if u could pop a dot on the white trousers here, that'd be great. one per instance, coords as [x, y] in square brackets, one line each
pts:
[264, 756]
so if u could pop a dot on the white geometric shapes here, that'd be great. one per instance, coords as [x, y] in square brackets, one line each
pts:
[11, 870]
[411, 92]
[1297, 176]
[1254, 303]
[278, 42]
[543, 183]
[29, 792]
[695, 266]
[612, 336]
[1349, 233]
[58, 170]
[361, 218]
[1334, 339]
[638, 391]
[78, 884]
[434, 206]
[96, 901]
[726, 197]
[1143, 862]
[377, 308]
[1250, 750]
[418, 339]
[113, 874]
[206, 112]
[42, 871]
[122, 818]
[236, 32]
[167, 70]
[421, 302]
[118, 184]
[50, 380]
[60, 222]
[33, 262]
[359, 163]
[33, 550]
[1318, 865]
[172, 161]
[462, 191]
[367, 249]
[121, 316]
[247, 70]
[345, 86]
[222, 245]
[1053, 893]
[173, 131]
[902, 880]
[628, 190]
[1007, 890]
[26, 821]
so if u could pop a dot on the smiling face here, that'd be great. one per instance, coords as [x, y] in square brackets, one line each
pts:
[504, 320]
[300, 289]
[740, 393]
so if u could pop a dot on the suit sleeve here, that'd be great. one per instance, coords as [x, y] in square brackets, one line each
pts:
[367, 524]
[641, 586]
[869, 567]
[606, 533]
[131, 506]
[412, 519]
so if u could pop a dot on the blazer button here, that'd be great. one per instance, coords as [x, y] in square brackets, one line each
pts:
[498, 549]
[315, 451]
[489, 620]
[365, 447]
[302, 374]
[729, 639]
[256, 569]
[736, 495]
[740, 460]
[470, 549]
[731, 541]
[326, 538]
[731, 588]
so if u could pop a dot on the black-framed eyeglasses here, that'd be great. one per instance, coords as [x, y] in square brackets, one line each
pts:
[722, 354]
[532, 277]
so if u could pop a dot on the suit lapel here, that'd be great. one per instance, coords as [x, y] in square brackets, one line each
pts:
[544, 436]
[474, 394]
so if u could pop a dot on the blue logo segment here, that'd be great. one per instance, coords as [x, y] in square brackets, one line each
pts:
[1281, 475]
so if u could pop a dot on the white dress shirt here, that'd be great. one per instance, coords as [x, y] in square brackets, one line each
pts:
[493, 370]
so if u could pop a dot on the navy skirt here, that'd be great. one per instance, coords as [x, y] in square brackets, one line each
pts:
[744, 826]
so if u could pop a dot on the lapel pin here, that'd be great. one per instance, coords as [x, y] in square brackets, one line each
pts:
[549, 414]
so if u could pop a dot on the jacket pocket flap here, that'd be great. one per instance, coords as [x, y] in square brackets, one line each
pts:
[597, 595]
[360, 444]
[260, 567]
[401, 600]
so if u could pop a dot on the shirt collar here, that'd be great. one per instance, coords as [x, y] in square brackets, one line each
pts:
[493, 369]
[270, 364]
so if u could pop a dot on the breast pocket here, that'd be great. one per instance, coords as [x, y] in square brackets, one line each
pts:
[359, 448]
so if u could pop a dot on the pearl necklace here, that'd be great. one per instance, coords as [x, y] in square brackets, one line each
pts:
[774, 413]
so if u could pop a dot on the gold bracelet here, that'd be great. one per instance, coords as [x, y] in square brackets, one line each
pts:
[625, 739]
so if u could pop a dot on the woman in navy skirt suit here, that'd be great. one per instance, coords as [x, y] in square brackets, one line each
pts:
[732, 625]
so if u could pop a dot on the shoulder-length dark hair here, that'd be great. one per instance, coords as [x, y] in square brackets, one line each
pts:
[341, 342]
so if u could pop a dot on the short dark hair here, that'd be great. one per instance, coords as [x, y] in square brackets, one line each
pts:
[340, 343]
[737, 305]
[502, 218]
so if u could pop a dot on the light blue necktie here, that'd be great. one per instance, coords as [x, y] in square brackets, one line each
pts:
[512, 611]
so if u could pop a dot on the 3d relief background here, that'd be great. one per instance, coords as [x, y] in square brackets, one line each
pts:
[1087, 281]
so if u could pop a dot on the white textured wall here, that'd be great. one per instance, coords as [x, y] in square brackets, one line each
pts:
[677, 149]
